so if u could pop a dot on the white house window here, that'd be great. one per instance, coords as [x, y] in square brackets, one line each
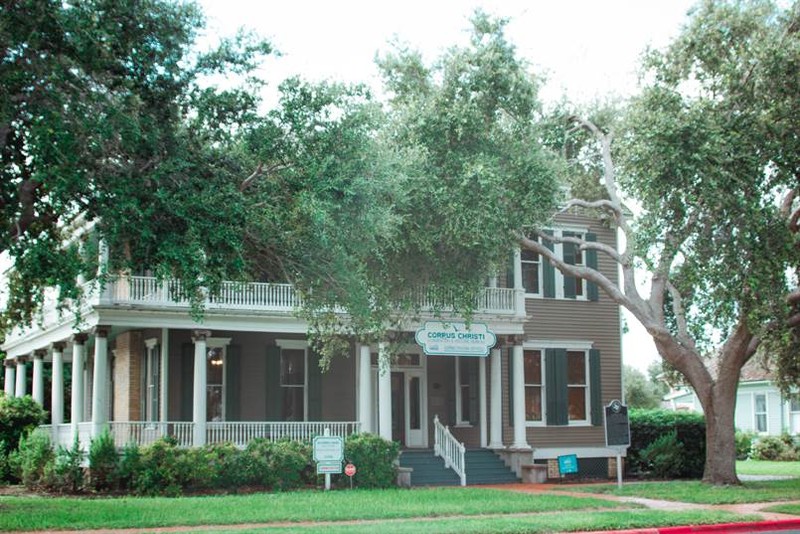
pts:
[215, 384]
[466, 389]
[152, 383]
[573, 255]
[534, 387]
[577, 386]
[794, 415]
[531, 271]
[293, 382]
[760, 412]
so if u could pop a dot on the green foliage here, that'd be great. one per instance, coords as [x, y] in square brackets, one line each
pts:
[130, 464]
[103, 463]
[744, 444]
[375, 459]
[66, 472]
[164, 470]
[18, 417]
[641, 392]
[664, 457]
[647, 426]
[775, 448]
[31, 459]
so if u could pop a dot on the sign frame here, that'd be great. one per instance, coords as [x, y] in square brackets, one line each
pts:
[455, 338]
[328, 449]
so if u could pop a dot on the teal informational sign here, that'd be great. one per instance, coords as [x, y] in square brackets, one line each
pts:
[568, 464]
[328, 449]
[440, 338]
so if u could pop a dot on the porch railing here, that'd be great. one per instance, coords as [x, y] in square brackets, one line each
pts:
[144, 433]
[449, 449]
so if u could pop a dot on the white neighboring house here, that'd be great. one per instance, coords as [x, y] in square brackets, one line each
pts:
[760, 407]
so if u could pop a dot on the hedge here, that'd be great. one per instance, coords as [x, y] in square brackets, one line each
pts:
[652, 426]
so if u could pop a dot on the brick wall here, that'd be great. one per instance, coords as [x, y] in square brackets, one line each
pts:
[128, 354]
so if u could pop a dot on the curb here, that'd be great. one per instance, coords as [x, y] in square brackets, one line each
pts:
[741, 528]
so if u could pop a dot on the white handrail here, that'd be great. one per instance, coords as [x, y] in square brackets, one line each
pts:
[447, 447]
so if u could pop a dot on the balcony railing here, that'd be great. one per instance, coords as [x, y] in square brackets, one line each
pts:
[144, 433]
[147, 291]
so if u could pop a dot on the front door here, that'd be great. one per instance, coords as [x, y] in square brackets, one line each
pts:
[409, 399]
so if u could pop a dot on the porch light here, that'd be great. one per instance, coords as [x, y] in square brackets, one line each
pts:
[214, 357]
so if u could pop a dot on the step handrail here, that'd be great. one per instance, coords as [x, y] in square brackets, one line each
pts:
[449, 449]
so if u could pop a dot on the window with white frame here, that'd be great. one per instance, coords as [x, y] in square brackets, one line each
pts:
[534, 386]
[577, 386]
[794, 414]
[573, 255]
[293, 383]
[466, 390]
[541, 279]
[152, 384]
[760, 412]
[531, 270]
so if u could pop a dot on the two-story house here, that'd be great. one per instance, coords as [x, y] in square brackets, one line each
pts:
[144, 368]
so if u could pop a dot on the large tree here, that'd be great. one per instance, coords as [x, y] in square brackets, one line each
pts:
[709, 151]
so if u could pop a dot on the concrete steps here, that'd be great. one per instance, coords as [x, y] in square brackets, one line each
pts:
[483, 467]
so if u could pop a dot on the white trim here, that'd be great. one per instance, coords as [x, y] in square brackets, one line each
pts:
[217, 342]
[534, 344]
[151, 342]
[753, 396]
[292, 344]
[581, 452]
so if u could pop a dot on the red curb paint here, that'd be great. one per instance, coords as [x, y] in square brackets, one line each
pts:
[758, 526]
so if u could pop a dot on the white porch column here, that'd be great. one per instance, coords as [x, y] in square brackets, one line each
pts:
[10, 377]
[496, 402]
[78, 354]
[199, 404]
[100, 381]
[384, 393]
[365, 388]
[163, 402]
[518, 390]
[38, 377]
[21, 386]
[57, 387]
[482, 399]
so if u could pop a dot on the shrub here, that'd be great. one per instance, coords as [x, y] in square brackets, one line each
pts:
[665, 456]
[130, 463]
[103, 463]
[292, 462]
[257, 464]
[65, 474]
[774, 448]
[18, 417]
[690, 430]
[375, 459]
[164, 469]
[744, 443]
[30, 460]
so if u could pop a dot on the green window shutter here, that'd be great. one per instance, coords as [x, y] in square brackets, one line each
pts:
[187, 381]
[591, 262]
[548, 271]
[274, 406]
[473, 389]
[556, 385]
[451, 405]
[510, 272]
[595, 393]
[510, 369]
[233, 382]
[314, 387]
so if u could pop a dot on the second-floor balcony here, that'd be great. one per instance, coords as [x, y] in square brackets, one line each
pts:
[147, 291]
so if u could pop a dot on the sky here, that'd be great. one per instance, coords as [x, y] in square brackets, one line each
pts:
[586, 49]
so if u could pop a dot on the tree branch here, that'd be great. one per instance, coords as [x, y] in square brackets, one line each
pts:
[680, 317]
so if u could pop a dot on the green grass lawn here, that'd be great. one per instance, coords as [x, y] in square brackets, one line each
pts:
[760, 467]
[530, 524]
[696, 492]
[793, 509]
[43, 513]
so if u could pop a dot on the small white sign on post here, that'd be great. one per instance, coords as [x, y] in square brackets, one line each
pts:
[328, 454]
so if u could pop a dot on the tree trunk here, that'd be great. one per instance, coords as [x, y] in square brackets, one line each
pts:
[720, 466]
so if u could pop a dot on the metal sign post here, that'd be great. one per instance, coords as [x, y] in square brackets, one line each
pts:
[618, 432]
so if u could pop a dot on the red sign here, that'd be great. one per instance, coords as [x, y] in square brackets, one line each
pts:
[349, 470]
